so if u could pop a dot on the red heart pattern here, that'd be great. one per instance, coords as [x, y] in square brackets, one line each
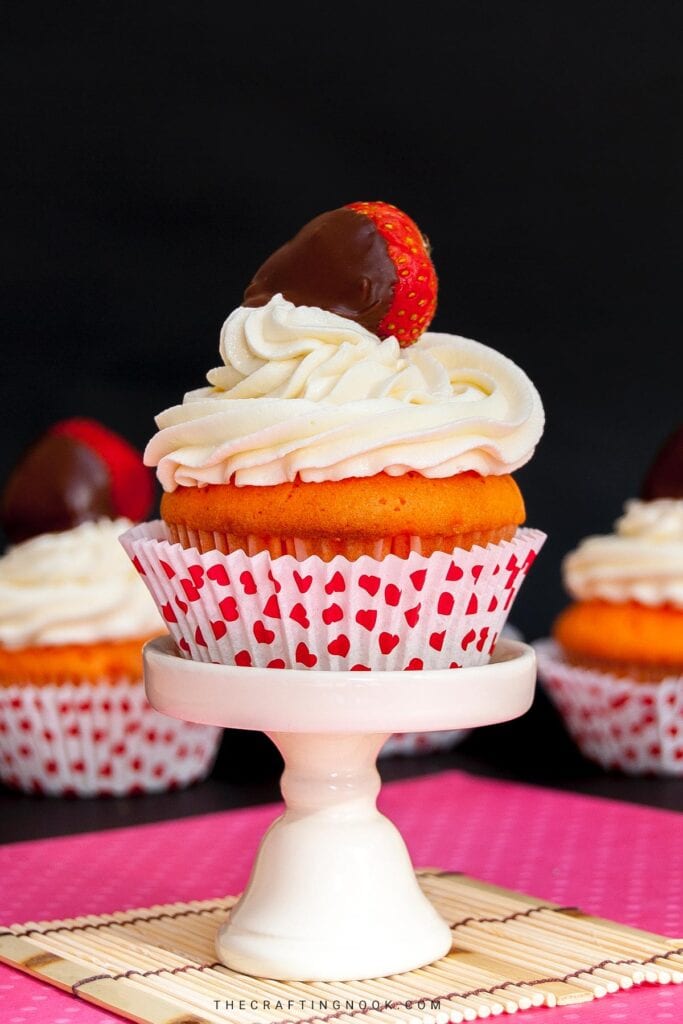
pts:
[168, 612]
[366, 617]
[369, 583]
[336, 585]
[303, 582]
[247, 581]
[197, 574]
[388, 614]
[418, 578]
[228, 608]
[412, 615]
[112, 743]
[340, 645]
[387, 642]
[262, 634]
[304, 656]
[272, 607]
[298, 614]
[219, 629]
[218, 574]
[191, 591]
[332, 614]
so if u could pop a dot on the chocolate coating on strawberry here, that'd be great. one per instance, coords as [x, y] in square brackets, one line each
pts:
[367, 262]
[58, 484]
[338, 262]
[77, 472]
[665, 477]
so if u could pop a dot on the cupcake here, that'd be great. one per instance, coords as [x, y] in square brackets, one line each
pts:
[73, 618]
[615, 666]
[340, 495]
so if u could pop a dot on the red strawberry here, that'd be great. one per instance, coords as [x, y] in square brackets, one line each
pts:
[414, 299]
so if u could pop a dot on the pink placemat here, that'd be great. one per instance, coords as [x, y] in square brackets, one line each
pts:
[614, 860]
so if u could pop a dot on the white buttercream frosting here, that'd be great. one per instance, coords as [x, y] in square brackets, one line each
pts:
[77, 586]
[329, 400]
[642, 561]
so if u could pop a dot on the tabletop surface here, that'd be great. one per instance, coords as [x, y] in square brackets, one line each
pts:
[558, 846]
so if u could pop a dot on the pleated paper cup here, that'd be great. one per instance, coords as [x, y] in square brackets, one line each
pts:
[97, 739]
[620, 723]
[420, 612]
[414, 744]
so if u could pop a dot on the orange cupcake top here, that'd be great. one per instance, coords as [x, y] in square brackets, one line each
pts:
[366, 507]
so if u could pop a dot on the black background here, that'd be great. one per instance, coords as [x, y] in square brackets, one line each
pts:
[157, 152]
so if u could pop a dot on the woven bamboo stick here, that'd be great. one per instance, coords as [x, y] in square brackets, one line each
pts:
[510, 951]
[524, 997]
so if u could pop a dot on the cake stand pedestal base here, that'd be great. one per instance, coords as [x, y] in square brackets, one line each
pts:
[332, 894]
[333, 888]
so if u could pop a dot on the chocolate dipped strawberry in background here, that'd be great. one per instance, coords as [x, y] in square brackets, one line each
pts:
[78, 471]
[665, 476]
[74, 615]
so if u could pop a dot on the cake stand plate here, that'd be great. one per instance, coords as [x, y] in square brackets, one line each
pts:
[332, 894]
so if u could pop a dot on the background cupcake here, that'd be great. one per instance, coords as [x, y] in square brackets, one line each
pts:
[73, 618]
[341, 495]
[615, 668]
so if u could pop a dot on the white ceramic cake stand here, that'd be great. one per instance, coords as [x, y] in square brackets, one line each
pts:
[332, 894]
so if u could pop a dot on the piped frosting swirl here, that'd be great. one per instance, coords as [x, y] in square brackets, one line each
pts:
[329, 400]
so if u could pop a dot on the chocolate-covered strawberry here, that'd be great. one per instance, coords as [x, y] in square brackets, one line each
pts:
[665, 477]
[367, 261]
[76, 472]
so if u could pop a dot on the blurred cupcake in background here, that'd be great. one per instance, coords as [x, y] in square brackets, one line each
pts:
[73, 618]
[615, 666]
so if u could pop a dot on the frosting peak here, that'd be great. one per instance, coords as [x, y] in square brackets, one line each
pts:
[333, 401]
[642, 561]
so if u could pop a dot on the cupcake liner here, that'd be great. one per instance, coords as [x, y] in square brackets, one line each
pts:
[97, 739]
[413, 744]
[419, 612]
[325, 548]
[618, 722]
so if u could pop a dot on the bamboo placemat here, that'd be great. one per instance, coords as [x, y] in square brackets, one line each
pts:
[510, 952]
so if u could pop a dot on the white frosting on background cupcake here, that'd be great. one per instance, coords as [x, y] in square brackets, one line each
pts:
[642, 561]
[74, 587]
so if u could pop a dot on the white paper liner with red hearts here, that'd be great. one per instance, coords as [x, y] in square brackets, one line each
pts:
[97, 739]
[413, 744]
[634, 727]
[441, 611]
